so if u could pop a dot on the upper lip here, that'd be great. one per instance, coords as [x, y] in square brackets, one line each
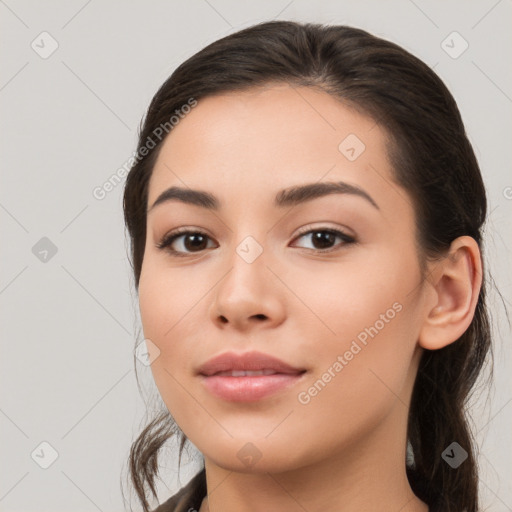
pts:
[246, 361]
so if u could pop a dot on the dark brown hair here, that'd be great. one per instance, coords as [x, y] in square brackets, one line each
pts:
[432, 159]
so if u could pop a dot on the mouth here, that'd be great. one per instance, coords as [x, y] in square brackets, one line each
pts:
[250, 386]
[247, 377]
[248, 373]
[246, 362]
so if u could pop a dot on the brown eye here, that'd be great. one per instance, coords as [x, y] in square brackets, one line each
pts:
[185, 242]
[323, 240]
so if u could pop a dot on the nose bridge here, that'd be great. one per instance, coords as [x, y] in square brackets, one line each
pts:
[250, 250]
[247, 292]
[247, 265]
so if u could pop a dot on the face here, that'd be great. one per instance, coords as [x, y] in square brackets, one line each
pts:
[328, 283]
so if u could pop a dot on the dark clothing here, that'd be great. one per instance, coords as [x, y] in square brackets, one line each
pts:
[188, 498]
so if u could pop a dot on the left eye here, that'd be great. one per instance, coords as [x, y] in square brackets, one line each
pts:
[322, 239]
[185, 242]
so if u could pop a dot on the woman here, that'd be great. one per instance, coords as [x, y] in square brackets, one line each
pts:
[305, 213]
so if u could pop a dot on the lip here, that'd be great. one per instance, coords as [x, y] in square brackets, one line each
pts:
[228, 361]
[247, 388]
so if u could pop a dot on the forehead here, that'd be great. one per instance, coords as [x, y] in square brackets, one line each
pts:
[269, 138]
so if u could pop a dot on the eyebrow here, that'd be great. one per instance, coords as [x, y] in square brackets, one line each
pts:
[288, 197]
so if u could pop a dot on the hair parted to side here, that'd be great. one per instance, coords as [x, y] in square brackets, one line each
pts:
[432, 159]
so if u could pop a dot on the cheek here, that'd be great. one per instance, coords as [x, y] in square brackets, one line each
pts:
[341, 300]
[362, 336]
[361, 378]
[171, 313]
[167, 300]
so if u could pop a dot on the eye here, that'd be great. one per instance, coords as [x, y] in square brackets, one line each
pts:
[323, 239]
[185, 241]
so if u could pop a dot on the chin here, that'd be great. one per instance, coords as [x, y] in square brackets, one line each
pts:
[260, 467]
[256, 457]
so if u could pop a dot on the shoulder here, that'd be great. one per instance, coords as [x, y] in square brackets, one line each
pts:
[188, 498]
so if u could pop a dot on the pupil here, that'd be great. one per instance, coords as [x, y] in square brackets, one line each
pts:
[323, 238]
[195, 238]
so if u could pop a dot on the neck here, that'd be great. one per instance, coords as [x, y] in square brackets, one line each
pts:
[367, 474]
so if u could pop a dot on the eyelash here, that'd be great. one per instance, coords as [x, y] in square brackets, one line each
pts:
[165, 243]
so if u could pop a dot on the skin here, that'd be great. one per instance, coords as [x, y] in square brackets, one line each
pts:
[345, 449]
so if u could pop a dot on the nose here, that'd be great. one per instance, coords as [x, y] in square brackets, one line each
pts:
[248, 297]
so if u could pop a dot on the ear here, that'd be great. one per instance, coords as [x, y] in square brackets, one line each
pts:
[455, 285]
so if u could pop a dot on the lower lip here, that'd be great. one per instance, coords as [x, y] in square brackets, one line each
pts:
[249, 388]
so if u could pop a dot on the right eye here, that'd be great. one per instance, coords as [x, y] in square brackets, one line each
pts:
[183, 242]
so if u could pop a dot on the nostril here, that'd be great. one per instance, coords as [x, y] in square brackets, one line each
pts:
[260, 316]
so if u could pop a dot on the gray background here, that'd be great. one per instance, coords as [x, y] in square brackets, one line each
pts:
[69, 121]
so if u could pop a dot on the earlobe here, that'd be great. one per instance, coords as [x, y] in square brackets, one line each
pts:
[456, 282]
